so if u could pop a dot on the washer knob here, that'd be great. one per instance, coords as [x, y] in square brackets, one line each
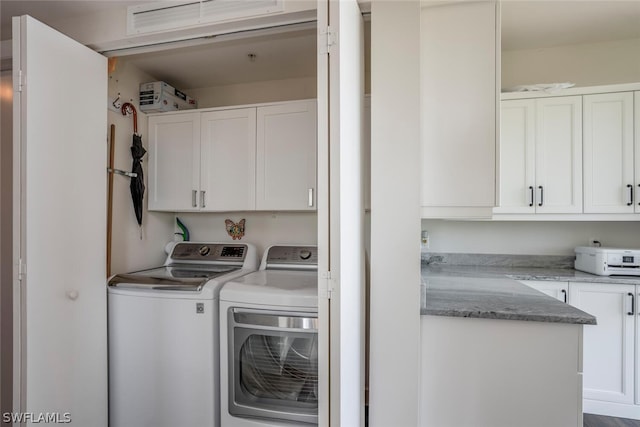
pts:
[305, 254]
[204, 250]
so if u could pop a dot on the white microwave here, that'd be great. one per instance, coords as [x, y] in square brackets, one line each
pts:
[608, 261]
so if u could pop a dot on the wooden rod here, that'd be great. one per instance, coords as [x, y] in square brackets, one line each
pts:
[112, 149]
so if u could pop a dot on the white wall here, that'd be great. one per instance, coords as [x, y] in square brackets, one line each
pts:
[583, 64]
[261, 228]
[527, 238]
[256, 92]
[129, 252]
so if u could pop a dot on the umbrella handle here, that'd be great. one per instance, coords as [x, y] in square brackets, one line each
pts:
[128, 108]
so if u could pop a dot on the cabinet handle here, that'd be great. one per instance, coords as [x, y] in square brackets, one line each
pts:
[531, 195]
[203, 199]
[639, 201]
[630, 202]
[194, 198]
[564, 294]
[541, 195]
[311, 197]
[633, 309]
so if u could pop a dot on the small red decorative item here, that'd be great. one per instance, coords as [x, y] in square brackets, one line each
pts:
[236, 231]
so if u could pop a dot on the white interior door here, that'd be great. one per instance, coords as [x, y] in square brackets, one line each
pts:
[341, 212]
[60, 145]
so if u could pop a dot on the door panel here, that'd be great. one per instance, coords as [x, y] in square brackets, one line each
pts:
[609, 345]
[174, 162]
[559, 155]
[341, 213]
[286, 156]
[229, 159]
[608, 153]
[517, 157]
[60, 129]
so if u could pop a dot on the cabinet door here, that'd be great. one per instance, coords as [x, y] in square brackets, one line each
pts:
[608, 153]
[174, 162]
[557, 290]
[459, 100]
[559, 155]
[609, 345]
[517, 157]
[228, 160]
[286, 156]
[636, 114]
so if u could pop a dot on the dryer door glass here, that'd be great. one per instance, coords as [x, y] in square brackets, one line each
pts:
[274, 373]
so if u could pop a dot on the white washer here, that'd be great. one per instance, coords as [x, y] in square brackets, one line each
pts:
[269, 342]
[164, 336]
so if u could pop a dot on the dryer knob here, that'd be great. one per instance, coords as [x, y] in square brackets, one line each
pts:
[305, 254]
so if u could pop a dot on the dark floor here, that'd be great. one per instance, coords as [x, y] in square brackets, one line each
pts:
[591, 420]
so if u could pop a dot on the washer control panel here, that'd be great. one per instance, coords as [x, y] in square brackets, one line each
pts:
[292, 255]
[187, 251]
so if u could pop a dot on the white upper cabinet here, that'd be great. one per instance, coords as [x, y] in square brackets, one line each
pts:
[459, 59]
[541, 156]
[517, 157]
[228, 160]
[174, 162]
[286, 156]
[559, 155]
[608, 153]
[235, 159]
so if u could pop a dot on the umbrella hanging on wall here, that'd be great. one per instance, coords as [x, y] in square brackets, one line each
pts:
[137, 152]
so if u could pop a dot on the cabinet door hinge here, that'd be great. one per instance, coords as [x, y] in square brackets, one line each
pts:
[327, 286]
[20, 80]
[22, 270]
[327, 39]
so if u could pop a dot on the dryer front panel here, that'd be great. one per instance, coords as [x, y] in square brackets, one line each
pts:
[273, 365]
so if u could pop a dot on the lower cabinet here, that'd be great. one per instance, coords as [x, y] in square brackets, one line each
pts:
[611, 367]
[557, 290]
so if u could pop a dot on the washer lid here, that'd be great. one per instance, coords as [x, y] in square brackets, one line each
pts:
[174, 277]
[275, 288]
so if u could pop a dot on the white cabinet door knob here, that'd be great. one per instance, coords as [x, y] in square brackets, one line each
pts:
[72, 295]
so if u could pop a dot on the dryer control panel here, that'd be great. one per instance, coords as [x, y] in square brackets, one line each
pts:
[291, 256]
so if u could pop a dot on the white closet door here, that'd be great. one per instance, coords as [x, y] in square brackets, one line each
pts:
[341, 301]
[228, 160]
[60, 146]
[286, 156]
[608, 153]
[559, 155]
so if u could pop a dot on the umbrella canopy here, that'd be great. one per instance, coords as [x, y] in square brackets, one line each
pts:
[137, 151]
[137, 182]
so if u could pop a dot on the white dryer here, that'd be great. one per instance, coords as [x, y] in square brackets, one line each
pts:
[164, 336]
[269, 342]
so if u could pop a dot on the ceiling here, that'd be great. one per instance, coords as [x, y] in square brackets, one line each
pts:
[291, 54]
[540, 24]
[275, 56]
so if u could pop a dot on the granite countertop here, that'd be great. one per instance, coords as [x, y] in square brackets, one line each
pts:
[495, 293]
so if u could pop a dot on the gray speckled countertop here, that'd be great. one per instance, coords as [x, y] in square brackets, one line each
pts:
[495, 293]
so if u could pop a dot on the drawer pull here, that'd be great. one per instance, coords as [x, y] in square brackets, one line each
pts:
[633, 308]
